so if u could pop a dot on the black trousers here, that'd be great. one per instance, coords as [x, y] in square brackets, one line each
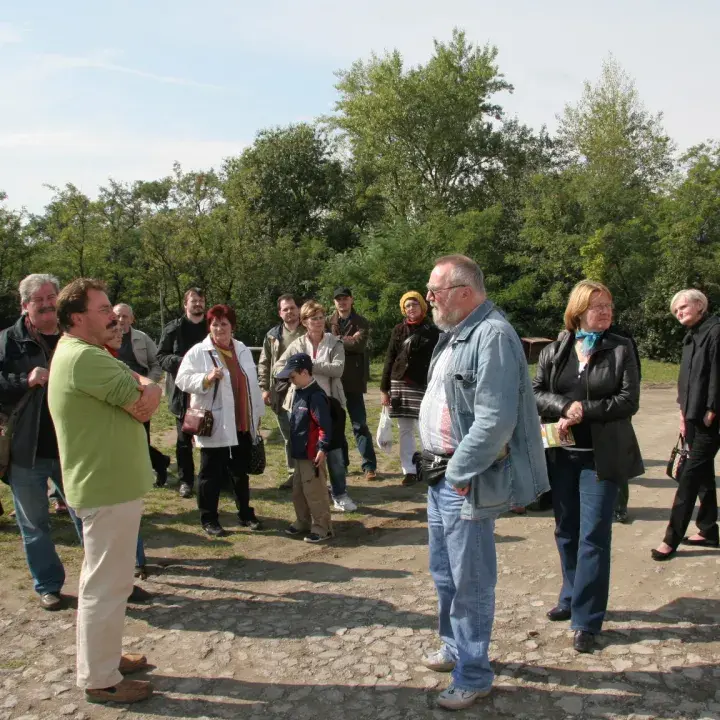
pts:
[184, 455]
[216, 464]
[158, 461]
[696, 481]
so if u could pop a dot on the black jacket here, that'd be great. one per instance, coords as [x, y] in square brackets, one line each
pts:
[357, 360]
[613, 397]
[174, 343]
[409, 353]
[310, 423]
[19, 355]
[699, 377]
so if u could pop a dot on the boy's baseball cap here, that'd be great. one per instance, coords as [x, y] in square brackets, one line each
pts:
[299, 361]
[342, 291]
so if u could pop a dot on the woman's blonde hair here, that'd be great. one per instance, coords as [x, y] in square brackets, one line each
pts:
[692, 295]
[310, 308]
[579, 301]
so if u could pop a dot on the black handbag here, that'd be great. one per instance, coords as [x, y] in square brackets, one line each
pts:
[257, 456]
[678, 456]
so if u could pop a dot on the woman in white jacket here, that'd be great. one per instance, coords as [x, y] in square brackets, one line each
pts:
[237, 406]
[328, 355]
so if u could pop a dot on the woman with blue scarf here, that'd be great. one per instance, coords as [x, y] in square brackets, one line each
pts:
[588, 382]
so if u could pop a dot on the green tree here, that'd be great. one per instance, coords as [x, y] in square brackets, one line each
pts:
[428, 132]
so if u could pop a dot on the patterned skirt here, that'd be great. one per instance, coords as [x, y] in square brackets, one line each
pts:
[405, 399]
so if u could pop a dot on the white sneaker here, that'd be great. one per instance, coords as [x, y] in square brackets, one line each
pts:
[455, 698]
[438, 662]
[344, 503]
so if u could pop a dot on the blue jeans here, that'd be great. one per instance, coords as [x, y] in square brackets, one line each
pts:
[30, 495]
[363, 438]
[140, 558]
[336, 471]
[583, 507]
[463, 565]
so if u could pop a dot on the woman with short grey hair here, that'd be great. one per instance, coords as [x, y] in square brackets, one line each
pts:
[699, 400]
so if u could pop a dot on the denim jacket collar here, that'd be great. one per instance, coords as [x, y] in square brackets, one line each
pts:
[465, 327]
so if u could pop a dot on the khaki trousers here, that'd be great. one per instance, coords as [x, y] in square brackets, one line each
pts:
[310, 498]
[106, 580]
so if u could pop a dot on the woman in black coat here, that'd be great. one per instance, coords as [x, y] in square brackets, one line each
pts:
[588, 381]
[699, 400]
[404, 377]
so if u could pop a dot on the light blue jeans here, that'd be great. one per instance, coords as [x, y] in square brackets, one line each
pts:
[463, 565]
[30, 495]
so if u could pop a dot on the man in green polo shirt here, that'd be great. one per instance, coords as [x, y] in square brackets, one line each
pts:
[98, 406]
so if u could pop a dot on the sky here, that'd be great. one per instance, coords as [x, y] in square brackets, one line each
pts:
[95, 90]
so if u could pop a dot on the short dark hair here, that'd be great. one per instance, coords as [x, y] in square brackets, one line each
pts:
[288, 297]
[73, 299]
[196, 290]
[218, 312]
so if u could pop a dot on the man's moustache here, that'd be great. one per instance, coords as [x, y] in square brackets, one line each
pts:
[49, 309]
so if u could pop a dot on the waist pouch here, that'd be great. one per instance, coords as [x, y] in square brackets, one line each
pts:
[432, 467]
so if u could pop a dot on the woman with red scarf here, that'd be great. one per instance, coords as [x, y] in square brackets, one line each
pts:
[404, 377]
[220, 375]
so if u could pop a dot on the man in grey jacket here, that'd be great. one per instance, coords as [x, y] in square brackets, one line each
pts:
[482, 453]
[139, 353]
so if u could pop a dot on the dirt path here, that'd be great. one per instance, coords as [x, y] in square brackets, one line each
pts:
[292, 631]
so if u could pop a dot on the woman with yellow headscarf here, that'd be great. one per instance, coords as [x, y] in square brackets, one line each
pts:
[404, 377]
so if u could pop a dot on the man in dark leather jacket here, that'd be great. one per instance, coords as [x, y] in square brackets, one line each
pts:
[26, 349]
[177, 338]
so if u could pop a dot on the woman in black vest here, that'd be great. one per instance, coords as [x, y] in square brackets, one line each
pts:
[699, 400]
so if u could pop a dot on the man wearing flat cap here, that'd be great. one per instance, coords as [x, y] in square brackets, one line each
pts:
[353, 330]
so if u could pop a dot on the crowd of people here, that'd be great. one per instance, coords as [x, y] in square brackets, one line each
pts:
[79, 385]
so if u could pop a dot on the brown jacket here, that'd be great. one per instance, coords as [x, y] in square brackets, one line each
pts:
[357, 363]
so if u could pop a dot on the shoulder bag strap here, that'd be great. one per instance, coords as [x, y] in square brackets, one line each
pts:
[217, 382]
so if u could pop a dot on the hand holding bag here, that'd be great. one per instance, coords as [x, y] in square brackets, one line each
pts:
[678, 456]
[198, 421]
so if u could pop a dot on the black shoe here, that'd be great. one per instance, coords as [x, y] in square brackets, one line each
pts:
[138, 595]
[621, 516]
[141, 572]
[315, 538]
[557, 614]
[583, 642]
[51, 602]
[286, 484]
[185, 491]
[660, 556]
[214, 529]
[292, 530]
[705, 542]
[252, 524]
[409, 479]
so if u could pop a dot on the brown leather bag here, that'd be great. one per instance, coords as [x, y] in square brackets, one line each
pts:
[198, 421]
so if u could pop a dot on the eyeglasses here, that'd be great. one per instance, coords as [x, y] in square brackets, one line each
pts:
[437, 291]
[602, 306]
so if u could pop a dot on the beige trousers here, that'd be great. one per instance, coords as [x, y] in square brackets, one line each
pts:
[310, 498]
[106, 580]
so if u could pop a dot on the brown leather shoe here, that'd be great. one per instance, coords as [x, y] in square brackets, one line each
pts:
[126, 691]
[131, 663]
[371, 475]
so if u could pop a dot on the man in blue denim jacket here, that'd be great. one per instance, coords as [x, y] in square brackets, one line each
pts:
[482, 453]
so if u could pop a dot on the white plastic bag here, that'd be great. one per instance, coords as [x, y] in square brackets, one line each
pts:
[384, 431]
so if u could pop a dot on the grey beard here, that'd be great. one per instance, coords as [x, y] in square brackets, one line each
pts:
[445, 325]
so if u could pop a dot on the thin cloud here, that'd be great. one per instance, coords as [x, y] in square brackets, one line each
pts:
[9, 34]
[93, 63]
